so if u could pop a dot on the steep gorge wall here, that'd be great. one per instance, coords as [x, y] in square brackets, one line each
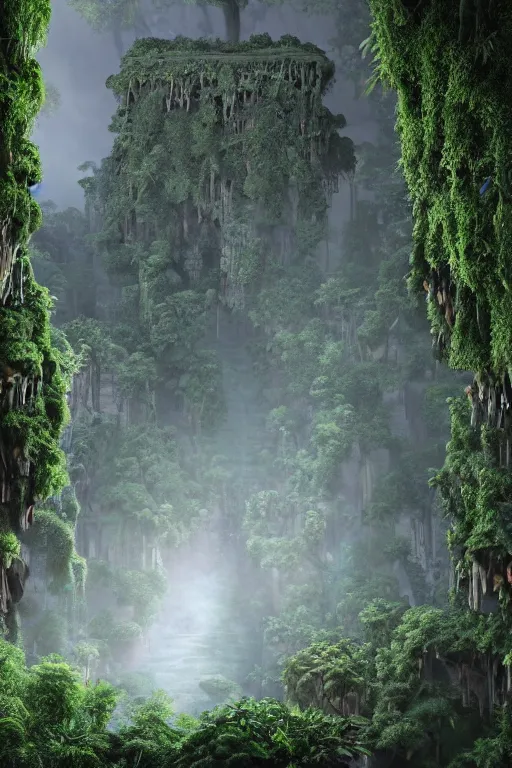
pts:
[34, 374]
[450, 663]
[469, 319]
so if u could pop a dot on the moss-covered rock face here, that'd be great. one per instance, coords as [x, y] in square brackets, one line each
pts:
[451, 146]
[33, 375]
[21, 97]
[450, 65]
[220, 689]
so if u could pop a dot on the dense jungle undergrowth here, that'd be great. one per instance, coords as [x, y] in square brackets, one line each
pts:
[254, 406]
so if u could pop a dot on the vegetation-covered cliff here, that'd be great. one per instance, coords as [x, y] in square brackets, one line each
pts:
[454, 159]
[36, 367]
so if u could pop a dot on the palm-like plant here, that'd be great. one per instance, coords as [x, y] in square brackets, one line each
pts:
[148, 739]
[76, 743]
[259, 733]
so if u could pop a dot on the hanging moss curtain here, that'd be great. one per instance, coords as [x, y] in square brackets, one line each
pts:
[222, 136]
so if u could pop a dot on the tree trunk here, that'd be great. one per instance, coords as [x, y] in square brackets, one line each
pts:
[118, 39]
[231, 11]
[86, 388]
[142, 28]
[206, 28]
[96, 387]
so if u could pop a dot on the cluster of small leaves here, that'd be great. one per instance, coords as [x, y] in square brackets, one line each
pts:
[54, 538]
[254, 733]
[48, 716]
[9, 548]
[341, 668]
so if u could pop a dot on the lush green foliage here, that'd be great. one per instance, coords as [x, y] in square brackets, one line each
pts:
[405, 678]
[268, 733]
[325, 350]
[49, 717]
[171, 263]
[476, 486]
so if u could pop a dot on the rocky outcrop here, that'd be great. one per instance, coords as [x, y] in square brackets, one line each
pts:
[12, 584]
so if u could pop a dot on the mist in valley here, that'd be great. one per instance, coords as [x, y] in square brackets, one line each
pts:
[204, 628]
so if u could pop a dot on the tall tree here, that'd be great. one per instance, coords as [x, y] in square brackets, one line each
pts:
[136, 15]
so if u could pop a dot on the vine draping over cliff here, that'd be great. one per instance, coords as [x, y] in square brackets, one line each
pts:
[34, 375]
